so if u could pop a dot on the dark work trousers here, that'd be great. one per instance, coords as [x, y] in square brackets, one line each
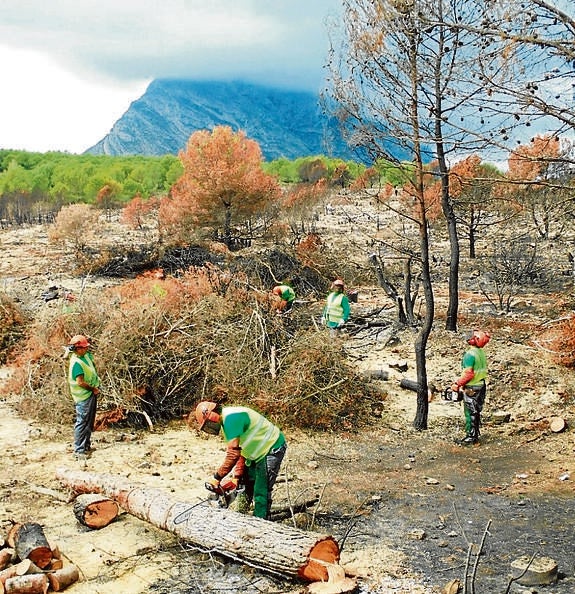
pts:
[84, 425]
[473, 400]
[261, 478]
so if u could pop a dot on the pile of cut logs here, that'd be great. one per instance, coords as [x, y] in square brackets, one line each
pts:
[29, 565]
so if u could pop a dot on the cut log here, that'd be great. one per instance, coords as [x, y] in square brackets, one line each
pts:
[56, 564]
[61, 579]
[27, 566]
[283, 550]
[30, 543]
[95, 511]
[24, 567]
[557, 424]
[534, 571]
[6, 556]
[36, 583]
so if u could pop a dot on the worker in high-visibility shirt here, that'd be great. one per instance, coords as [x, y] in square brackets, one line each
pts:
[250, 436]
[336, 311]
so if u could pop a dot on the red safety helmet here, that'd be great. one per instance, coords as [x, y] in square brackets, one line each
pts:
[478, 338]
[206, 411]
[79, 341]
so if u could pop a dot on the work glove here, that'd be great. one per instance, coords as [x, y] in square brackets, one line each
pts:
[229, 484]
[341, 324]
[213, 485]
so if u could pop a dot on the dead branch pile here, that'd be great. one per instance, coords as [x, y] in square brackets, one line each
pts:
[268, 268]
[163, 343]
[119, 261]
[13, 321]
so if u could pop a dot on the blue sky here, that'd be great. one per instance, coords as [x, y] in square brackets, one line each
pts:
[71, 68]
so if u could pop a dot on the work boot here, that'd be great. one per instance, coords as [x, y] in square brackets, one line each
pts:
[469, 439]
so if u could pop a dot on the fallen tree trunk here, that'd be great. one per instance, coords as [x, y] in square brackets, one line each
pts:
[273, 547]
[412, 385]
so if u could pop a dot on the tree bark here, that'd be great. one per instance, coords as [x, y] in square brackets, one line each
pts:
[95, 511]
[280, 549]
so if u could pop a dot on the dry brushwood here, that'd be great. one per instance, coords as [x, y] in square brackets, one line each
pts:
[162, 343]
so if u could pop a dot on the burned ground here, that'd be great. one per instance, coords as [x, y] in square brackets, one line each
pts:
[406, 505]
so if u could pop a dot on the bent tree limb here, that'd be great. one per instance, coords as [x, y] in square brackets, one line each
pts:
[273, 547]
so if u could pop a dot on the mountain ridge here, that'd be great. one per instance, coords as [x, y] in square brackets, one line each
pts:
[285, 123]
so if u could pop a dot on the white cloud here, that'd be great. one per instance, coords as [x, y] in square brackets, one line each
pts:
[72, 67]
[43, 107]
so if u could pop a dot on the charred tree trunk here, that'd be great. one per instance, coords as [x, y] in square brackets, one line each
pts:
[31, 543]
[389, 289]
[280, 549]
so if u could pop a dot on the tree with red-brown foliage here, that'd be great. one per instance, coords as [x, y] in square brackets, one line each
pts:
[135, 212]
[540, 181]
[223, 187]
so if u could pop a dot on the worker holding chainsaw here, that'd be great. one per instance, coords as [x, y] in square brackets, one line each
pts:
[471, 384]
[251, 438]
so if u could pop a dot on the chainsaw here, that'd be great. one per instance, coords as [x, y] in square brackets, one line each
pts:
[224, 494]
[452, 395]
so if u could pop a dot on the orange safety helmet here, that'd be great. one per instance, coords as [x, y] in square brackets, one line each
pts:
[205, 411]
[478, 338]
[79, 341]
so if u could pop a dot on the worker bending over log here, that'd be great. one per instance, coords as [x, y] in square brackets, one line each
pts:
[251, 436]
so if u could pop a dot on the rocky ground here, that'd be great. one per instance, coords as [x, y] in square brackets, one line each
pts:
[411, 509]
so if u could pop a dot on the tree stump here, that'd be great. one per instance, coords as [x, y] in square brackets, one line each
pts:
[534, 571]
[94, 511]
[557, 424]
[35, 583]
[30, 543]
[61, 579]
